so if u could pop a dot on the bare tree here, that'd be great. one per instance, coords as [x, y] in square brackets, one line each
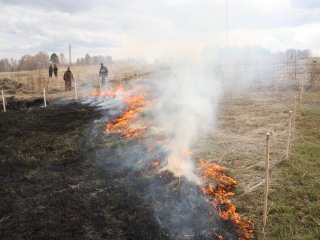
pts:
[314, 74]
[26, 63]
[5, 66]
[87, 59]
[41, 59]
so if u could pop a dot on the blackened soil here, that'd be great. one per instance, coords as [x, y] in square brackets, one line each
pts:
[51, 186]
[20, 104]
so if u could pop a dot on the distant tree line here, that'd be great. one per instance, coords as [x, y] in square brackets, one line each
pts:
[42, 60]
[306, 53]
[94, 60]
[30, 62]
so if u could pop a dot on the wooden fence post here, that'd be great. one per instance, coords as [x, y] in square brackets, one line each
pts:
[3, 101]
[289, 135]
[75, 90]
[44, 97]
[266, 185]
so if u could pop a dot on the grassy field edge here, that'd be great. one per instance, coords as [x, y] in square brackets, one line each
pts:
[294, 202]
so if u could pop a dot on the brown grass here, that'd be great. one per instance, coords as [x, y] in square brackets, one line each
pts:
[86, 77]
[239, 139]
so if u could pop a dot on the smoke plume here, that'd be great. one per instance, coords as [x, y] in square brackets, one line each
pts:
[186, 101]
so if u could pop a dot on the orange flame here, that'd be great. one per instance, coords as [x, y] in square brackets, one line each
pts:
[109, 93]
[218, 188]
[121, 124]
[154, 164]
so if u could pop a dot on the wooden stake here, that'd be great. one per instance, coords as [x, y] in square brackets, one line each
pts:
[301, 95]
[75, 89]
[295, 107]
[3, 102]
[266, 186]
[300, 98]
[99, 80]
[294, 117]
[289, 132]
[44, 97]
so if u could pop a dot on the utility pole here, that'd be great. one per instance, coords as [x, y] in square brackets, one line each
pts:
[308, 75]
[69, 54]
[227, 22]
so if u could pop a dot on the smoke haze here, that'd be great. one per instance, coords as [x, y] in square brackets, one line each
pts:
[185, 106]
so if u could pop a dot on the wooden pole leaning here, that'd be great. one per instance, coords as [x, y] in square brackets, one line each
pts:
[266, 186]
[3, 101]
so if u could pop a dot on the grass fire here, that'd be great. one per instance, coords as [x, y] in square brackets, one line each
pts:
[169, 120]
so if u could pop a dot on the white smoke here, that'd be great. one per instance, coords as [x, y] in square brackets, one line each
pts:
[186, 104]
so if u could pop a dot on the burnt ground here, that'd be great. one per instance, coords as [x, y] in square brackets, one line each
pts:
[62, 178]
[52, 189]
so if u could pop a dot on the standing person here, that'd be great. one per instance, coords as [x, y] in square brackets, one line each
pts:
[68, 78]
[50, 70]
[55, 70]
[103, 73]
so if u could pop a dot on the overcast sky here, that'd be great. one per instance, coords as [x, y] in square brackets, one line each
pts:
[155, 28]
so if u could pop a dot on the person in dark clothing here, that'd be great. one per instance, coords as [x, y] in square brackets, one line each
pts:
[55, 70]
[103, 73]
[50, 70]
[68, 78]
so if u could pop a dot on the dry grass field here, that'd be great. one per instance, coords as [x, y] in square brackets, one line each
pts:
[239, 143]
[21, 86]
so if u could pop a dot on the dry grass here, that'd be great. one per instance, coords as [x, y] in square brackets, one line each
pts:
[239, 140]
[86, 77]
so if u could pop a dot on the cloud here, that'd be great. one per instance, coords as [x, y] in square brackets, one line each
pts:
[306, 3]
[150, 28]
[50, 31]
[61, 5]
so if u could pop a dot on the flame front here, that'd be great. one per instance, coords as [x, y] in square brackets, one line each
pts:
[123, 124]
[218, 188]
[110, 93]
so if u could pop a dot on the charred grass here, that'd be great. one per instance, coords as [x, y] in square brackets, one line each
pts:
[41, 159]
[52, 188]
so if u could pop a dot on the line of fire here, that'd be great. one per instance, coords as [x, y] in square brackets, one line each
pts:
[192, 208]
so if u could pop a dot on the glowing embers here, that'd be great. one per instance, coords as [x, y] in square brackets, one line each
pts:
[218, 188]
[123, 125]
